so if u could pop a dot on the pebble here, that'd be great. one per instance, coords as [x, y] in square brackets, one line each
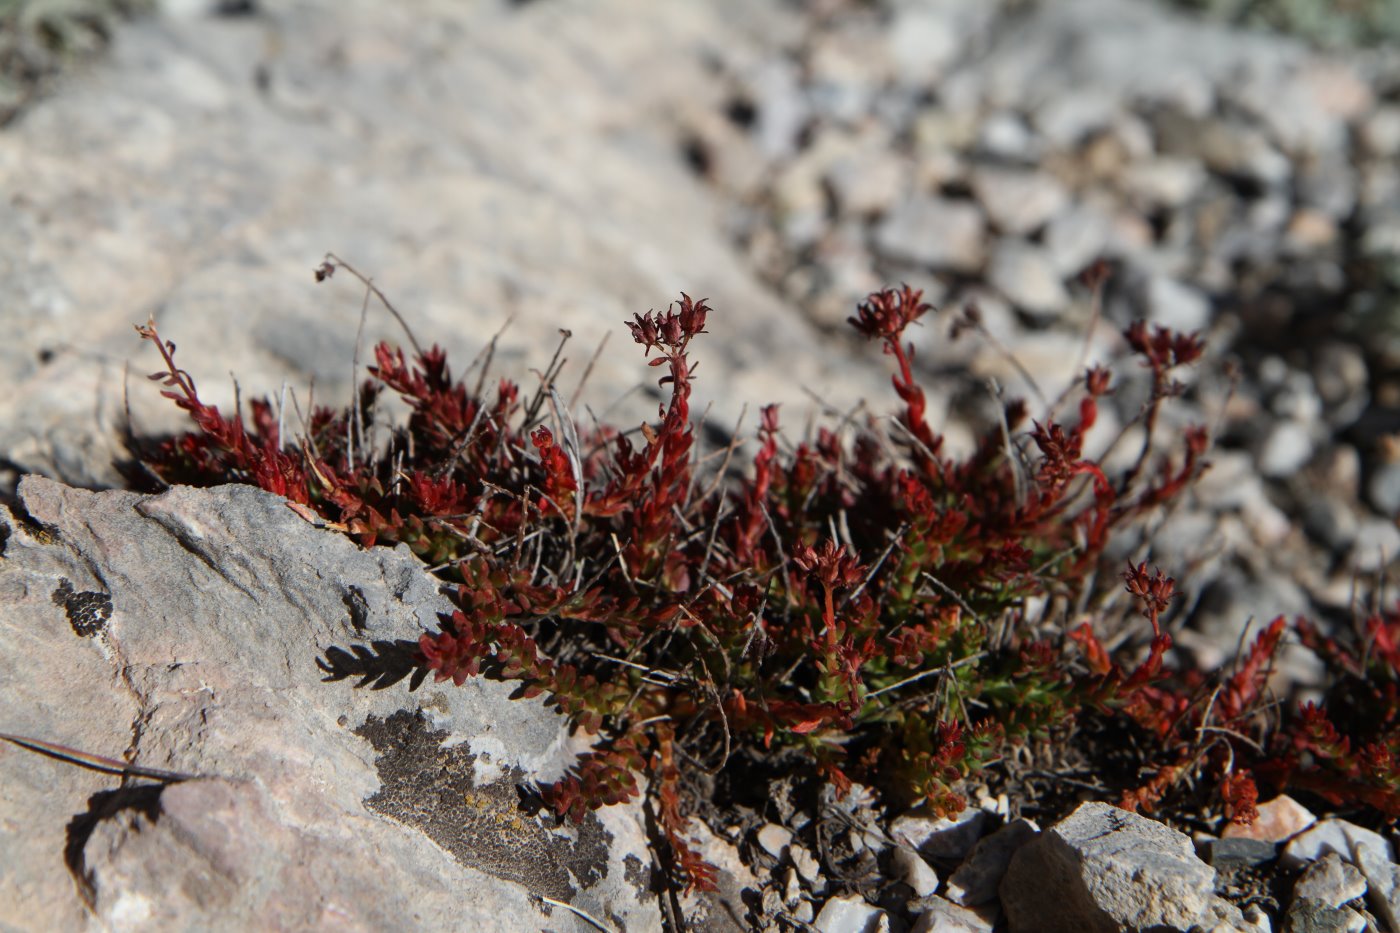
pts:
[806, 865]
[1383, 489]
[1018, 201]
[1239, 852]
[942, 916]
[911, 868]
[1331, 881]
[934, 232]
[976, 879]
[940, 837]
[1025, 274]
[1334, 835]
[1175, 304]
[851, 914]
[1286, 449]
[774, 839]
[1376, 546]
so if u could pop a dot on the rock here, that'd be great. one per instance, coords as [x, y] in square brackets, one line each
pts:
[1066, 120]
[1334, 835]
[942, 916]
[1077, 236]
[851, 914]
[1164, 182]
[869, 180]
[1379, 133]
[933, 232]
[1309, 109]
[1018, 201]
[976, 880]
[1025, 274]
[1376, 545]
[1005, 135]
[1309, 231]
[1239, 852]
[911, 868]
[1286, 449]
[1382, 885]
[1341, 378]
[1306, 915]
[774, 839]
[1327, 184]
[781, 109]
[923, 42]
[1331, 881]
[464, 211]
[805, 864]
[940, 837]
[1230, 149]
[204, 615]
[1174, 304]
[1106, 869]
[1332, 521]
[1383, 488]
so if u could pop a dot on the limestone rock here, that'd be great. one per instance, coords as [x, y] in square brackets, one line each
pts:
[183, 632]
[1105, 869]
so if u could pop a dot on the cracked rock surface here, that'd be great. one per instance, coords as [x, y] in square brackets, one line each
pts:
[312, 804]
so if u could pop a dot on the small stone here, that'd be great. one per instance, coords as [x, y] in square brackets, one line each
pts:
[1286, 449]
[1383, 489]
[1105, 869]
[774, 839]
[1239, 852]
[1341, 378]
[942, 916]
[976, 880]
[1024, 273]
[792, 888]
[1077, 236]
[805, 864]
[1306, 915]
[868, 181]
[1379, 133]
[850, 914]
[1331, 521]
[1327, 184]
[804, 911]
[910, 867]
[1376, 545]
[933, 232]
[922, 44]
[1309, 231]
[1018, 201]
[1331, 881]
[1174, 304]
[1334, 835]
[1382, 886]
[1163, 182]
[1066, 120]
[1005, 135]
[939, 837]
[781, 108]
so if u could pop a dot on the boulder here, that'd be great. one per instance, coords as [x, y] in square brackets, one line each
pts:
[190, 632]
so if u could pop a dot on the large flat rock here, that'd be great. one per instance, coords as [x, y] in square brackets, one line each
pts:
[182, 632]
[479, 160]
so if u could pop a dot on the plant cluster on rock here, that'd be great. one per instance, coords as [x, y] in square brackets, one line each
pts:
[894, 615]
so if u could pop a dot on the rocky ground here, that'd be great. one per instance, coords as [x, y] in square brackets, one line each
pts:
[570, 165]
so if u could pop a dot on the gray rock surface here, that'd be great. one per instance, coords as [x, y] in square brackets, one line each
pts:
[976, 880]
[182, 632]
[1105, 869]
[201, 169]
